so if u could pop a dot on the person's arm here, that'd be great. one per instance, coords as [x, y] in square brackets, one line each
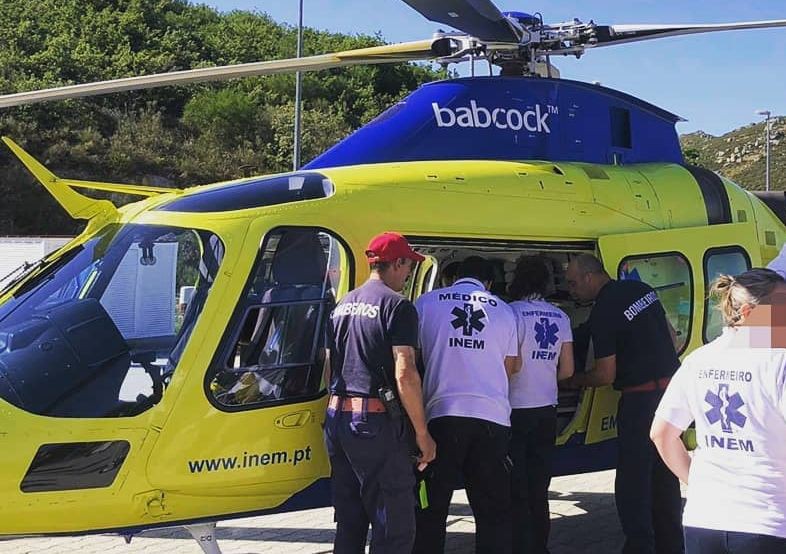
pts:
[521, 332]
[411, 394]
[668, 441]
[604, 373]
[672, 417]
[512, 365]
[603, 335]
[513, 358]
[566, 365]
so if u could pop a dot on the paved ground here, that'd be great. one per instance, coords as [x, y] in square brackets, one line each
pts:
[584, 521]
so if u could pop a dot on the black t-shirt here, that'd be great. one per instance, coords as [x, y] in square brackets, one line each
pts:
[362, 331]
[628, 320]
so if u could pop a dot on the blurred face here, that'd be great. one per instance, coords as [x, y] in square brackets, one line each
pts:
[771, 312]
[580, 283]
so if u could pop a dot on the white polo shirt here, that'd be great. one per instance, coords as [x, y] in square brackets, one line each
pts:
[465, 334]
[542, 329]
[736, 394]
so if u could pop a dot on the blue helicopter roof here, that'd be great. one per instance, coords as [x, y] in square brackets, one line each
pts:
[513, 118]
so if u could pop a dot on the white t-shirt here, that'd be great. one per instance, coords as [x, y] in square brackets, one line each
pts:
[737, 396]
[465, 334]
[542, 328]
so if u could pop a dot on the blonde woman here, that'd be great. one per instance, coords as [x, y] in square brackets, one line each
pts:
[734, 388]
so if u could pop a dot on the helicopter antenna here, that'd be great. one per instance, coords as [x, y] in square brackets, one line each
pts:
[298, 91]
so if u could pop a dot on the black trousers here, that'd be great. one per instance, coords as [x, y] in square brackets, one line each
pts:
[646, 491]
[533, 432]
[472, 451]
[710, 541]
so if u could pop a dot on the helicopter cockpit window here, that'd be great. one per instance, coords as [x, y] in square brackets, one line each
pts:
[99, 332]
[275, 351]
[670, 276]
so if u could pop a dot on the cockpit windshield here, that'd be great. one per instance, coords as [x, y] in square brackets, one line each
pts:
[100, 330]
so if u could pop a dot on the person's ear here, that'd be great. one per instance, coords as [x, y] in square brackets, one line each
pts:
[746, 310]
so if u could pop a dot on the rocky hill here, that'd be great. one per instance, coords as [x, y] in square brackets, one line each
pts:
[740, 154]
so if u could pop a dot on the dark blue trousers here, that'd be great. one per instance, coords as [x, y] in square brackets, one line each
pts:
[710, 541]
[373, 481]
[646, 492]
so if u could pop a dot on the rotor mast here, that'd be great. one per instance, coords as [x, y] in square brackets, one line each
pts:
[298, 91]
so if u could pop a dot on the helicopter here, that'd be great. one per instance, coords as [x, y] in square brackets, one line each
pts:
[164, 367]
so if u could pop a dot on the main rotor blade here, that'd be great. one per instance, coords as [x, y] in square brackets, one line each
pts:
[479, 18]
[609, 35]
[402, 52]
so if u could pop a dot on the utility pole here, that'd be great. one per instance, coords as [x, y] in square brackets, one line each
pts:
[298, 90]
[766, 114]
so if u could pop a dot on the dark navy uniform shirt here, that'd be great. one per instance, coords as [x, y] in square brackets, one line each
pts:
[628, 321]
[363, 329]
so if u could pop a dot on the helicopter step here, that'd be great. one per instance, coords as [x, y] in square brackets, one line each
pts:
[205, 535]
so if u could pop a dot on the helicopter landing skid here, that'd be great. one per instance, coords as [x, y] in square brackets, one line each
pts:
[205, 535]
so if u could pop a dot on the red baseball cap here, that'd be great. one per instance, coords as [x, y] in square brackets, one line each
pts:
[389, 247]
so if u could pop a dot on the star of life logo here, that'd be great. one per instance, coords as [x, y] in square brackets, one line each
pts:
[546, 333]
[534, 120]
[469, 320]
[725, 408]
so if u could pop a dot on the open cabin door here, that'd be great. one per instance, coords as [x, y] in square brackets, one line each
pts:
[679, 264]
[251, 437]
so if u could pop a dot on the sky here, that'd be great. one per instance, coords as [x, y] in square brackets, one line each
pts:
[715, 81]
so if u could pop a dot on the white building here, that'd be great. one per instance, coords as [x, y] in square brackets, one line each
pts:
[16, 251]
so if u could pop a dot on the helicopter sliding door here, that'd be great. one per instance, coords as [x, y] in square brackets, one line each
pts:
[678, 264]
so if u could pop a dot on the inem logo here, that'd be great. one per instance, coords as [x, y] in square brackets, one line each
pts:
[474, 116]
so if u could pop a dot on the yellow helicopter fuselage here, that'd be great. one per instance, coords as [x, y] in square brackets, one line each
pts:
[189, 457]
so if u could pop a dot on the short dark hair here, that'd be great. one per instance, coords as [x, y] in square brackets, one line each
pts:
[587, 263]
[450, 270]
[476, 268]
[382, 266]
[531, 276]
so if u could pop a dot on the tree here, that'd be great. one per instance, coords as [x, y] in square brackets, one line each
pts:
[183, 135]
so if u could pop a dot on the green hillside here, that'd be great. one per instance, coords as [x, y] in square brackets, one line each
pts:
[740, 154]
[171, 136]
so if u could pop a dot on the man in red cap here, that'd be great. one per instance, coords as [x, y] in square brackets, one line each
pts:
[372, 336]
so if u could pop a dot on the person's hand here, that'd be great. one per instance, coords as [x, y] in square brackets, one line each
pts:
[428, 449]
